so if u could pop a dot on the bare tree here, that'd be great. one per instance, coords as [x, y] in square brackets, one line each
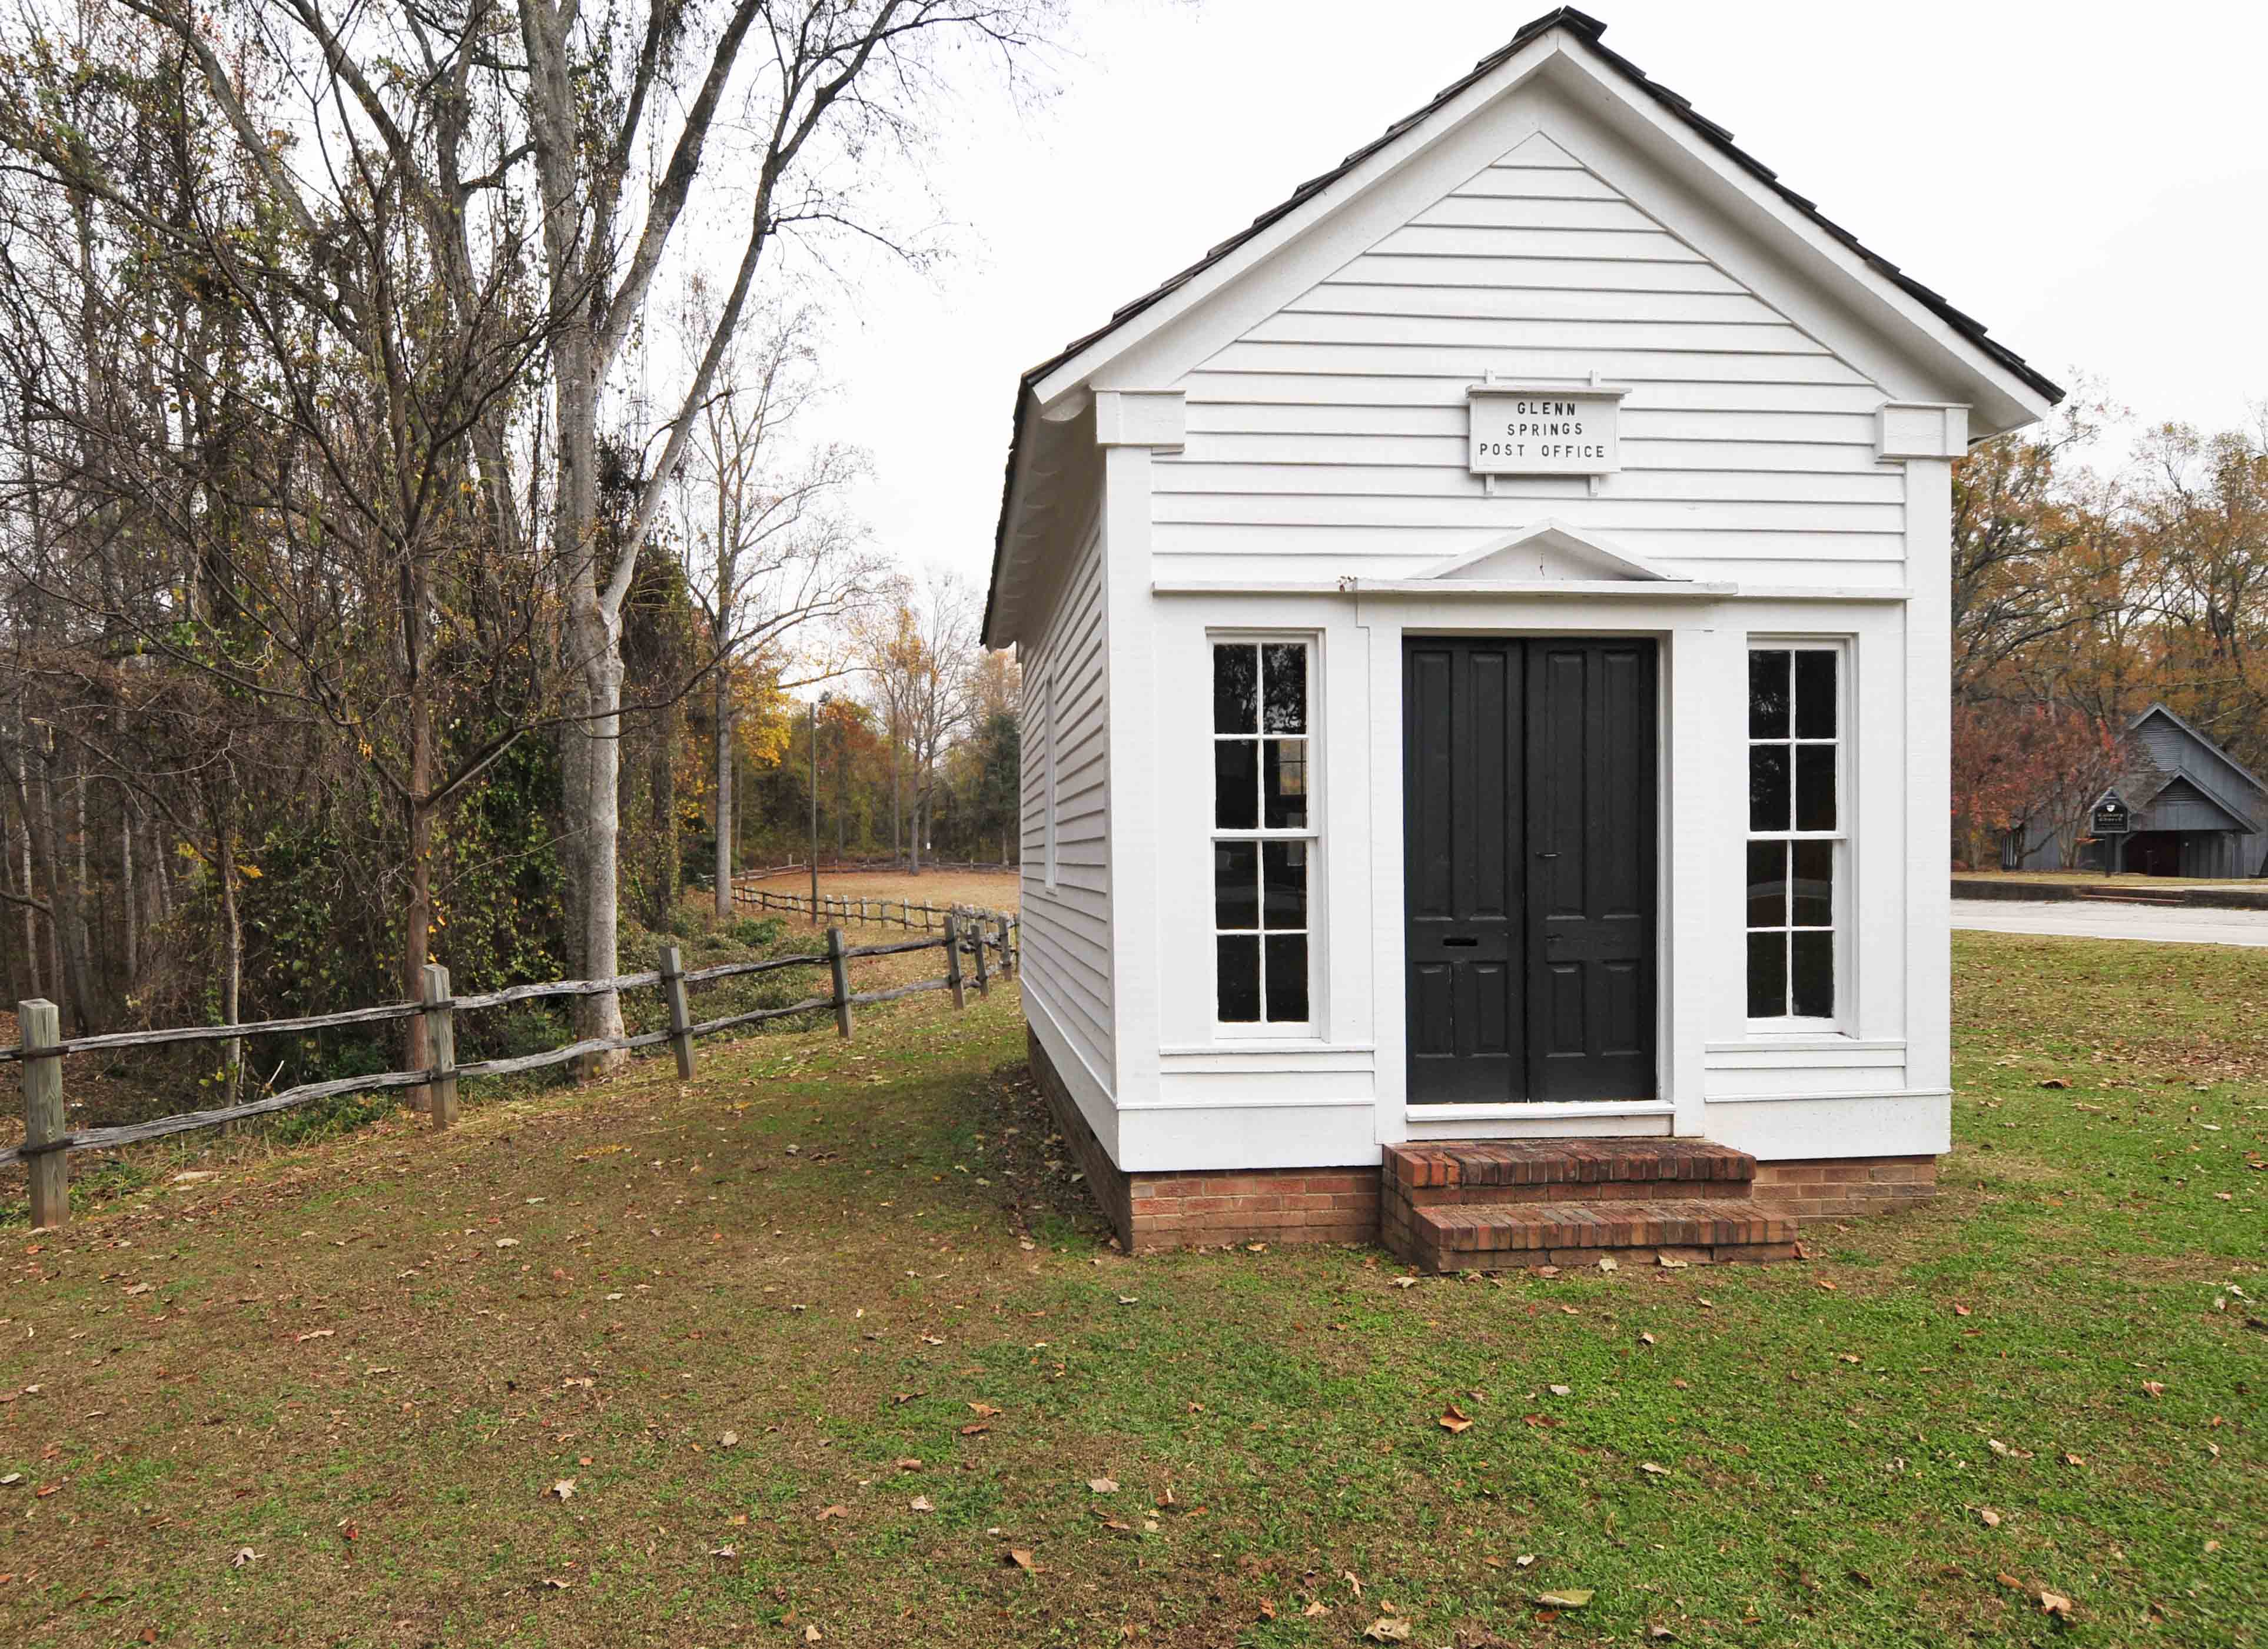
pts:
[769, 547]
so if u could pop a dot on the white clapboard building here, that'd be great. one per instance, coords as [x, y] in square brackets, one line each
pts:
[1485, 629]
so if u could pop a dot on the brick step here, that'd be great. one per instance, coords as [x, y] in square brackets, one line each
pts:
[1491, 1236]
[1527, 1170]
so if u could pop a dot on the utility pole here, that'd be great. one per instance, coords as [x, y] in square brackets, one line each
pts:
[815, 808]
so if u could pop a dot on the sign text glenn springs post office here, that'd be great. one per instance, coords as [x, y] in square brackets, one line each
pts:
[1545, 430]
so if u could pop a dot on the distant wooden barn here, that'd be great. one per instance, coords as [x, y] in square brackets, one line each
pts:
[2197, 810]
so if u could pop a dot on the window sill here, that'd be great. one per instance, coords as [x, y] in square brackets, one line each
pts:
[1763, 1034]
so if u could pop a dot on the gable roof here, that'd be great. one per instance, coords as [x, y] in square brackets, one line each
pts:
[2211, 781]
[1586, 29]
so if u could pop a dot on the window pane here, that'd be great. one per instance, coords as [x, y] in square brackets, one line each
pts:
[1767, 884]
[1768, 696]
[1768, 787]
[1235, 783]
[1235, 687]
[1286, 865]
[1239, 960]
[1814, 884]
[1286, 682]
[1767, 976]
[1287, 978]
[1287, 780]
[1814, 696]
[1815, 976]
[1235, 885]
[1815, 786]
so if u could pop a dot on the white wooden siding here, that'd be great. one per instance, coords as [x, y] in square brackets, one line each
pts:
[1066, 928]
[1335, 431]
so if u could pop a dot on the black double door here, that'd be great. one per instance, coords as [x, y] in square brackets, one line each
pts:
[1529, 820]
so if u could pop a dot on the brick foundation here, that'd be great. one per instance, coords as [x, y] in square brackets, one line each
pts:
[1200, 1208]
[1839, 1188]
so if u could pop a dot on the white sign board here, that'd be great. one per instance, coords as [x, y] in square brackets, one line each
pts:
[1545, 430]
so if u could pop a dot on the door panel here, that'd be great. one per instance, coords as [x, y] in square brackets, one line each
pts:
[1529, 808]
[1461, 735]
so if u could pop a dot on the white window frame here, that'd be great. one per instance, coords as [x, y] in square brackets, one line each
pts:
[1311, 834]
[1846, 960]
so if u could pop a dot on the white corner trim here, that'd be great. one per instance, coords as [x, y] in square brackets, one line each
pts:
[1921, 429]
[1156, 418]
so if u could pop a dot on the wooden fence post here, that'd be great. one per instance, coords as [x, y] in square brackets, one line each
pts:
[42, 1027]
[952, 962]
[440, 1048]
[841, 969]
[672, 988]
[983, 974]
[1007, 957]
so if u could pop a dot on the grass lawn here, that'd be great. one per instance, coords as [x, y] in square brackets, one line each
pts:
[810, 1349]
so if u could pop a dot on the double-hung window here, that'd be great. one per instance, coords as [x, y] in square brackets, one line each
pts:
[1265, 831]
[1798, 834]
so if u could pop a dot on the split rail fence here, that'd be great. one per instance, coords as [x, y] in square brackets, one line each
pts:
[47, 1144]
[899, 913]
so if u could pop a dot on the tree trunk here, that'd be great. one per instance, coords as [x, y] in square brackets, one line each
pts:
[66, 921]
[129, 948]
[231, 977]
[724, 756]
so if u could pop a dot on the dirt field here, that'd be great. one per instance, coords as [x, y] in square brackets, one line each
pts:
[992, 890]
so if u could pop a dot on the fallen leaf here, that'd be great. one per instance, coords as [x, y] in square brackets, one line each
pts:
[1403, 1282]
[1608, 1263]
[244, 1555]
[2055, 1603]
[1103, 1485]
[1525, 1559]
[1020, 1558]
[562, 1490]
[1454, 1420]
[311, 1334]
[1652, 1470]
[727, 1552]
[728, 1440]
[1647, 1339]
[1385, 1630]
[1316, 1610]
[2153, 1389]
[1960, 1310]
[1561, 1391]
[1572, 1597]
[1826, 1283]
[982, 1410]
[827, 1511]
[1988, 1517]
[921, 1504]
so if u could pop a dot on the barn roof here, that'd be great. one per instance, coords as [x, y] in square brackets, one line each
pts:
[1588, 29]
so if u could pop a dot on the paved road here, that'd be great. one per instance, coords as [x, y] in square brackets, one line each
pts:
[2168, 924]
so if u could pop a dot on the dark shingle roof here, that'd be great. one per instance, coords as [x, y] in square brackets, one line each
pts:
[1588, 29]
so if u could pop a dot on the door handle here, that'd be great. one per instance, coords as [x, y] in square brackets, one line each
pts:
[1461, 940]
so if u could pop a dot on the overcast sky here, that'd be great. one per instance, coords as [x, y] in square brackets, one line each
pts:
[2087, 180]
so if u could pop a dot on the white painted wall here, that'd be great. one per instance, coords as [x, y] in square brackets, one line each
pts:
[1330, 436]
[1065, 921]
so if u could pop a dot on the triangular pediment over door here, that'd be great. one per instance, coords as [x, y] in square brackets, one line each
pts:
[1549, 552]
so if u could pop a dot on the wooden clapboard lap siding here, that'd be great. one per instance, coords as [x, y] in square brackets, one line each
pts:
[1335, 430]
[1066, 928]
